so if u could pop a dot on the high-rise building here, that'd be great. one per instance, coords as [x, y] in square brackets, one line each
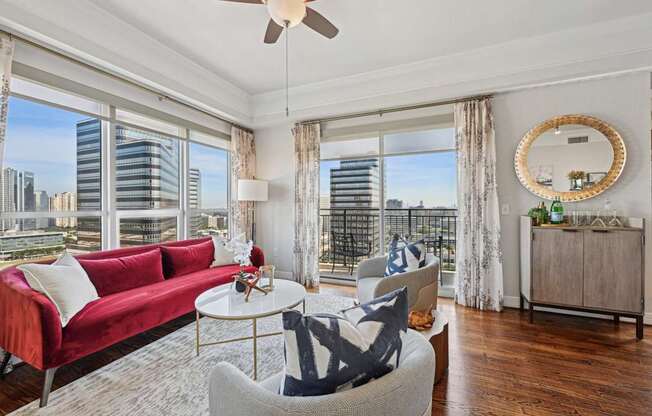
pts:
[147, 177]
[26, 199]
[42, 204]
[355, 184]
[8, 203]
[194, 200]
[65, 201]
[354, 201]
[17, 195]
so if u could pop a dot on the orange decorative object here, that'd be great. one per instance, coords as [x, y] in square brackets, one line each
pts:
[251, 284]
[420, 320]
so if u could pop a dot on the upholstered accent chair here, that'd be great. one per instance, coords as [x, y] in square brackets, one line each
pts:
[422, 284]
[405, 391]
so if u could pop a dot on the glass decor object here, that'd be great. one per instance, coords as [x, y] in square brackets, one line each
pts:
[267, 274]
[597, 219]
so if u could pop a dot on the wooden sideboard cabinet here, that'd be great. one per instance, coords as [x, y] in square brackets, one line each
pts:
[590, 269]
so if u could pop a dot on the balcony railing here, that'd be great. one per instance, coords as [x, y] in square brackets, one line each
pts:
[350, 235]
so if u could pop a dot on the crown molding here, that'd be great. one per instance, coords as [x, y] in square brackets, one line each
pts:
[124, 50]
[606, 48]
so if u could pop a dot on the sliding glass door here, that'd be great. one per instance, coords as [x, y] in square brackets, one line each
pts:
[397, 183]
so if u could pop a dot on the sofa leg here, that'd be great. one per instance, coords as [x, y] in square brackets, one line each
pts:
[47, 385]
[5, 363]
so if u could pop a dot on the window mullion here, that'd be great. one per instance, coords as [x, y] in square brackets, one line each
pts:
[183, 220]
[381, 163]
[110, 225]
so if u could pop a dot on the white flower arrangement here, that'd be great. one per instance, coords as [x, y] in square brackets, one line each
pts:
[241, 248]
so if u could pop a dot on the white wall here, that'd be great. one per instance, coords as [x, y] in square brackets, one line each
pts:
[623, 102]
[275, 163]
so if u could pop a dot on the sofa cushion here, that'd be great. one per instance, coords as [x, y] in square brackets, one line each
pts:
[121, 315]
[64, 282]
[113, 275]
[221, 256]
[327, 353]
[179, 261]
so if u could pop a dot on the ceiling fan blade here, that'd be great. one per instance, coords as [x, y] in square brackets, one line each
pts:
[273, 32]
[246, 1]
[320, 24]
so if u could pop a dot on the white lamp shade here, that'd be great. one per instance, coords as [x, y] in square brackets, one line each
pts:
[252, 190]
[290, 11]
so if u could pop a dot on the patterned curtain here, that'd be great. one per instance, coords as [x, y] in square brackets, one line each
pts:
[243, 166]
[306, 204]
[6, 56]
[478, 256]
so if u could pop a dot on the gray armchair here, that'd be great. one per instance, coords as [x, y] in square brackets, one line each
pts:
[422, 284]
[406, 391]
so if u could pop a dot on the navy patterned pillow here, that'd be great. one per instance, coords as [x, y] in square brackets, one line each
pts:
[405, 257]
[326, 353]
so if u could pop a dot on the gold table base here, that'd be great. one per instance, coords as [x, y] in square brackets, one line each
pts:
[254, 336]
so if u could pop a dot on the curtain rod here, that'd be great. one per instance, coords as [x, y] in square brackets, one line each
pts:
[102, 71]
[394, 109]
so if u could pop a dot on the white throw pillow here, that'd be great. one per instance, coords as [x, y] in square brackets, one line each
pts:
[222, 256]
[65, 282]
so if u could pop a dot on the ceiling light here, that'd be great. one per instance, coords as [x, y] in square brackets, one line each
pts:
[287, 12]
[557, 131]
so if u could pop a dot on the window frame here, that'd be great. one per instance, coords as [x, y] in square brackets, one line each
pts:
[380, 134]
[108, 213]
[191, 211]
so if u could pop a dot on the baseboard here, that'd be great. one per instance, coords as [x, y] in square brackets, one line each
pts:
[446, 292]
[514, 302]
[337, 281]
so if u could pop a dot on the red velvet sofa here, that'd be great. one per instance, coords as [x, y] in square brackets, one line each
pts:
[31, 330]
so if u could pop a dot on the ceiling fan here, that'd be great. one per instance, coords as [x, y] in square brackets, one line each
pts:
[289, 13]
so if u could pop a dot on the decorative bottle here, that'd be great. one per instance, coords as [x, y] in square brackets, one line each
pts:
[556, 212]
[543, 213]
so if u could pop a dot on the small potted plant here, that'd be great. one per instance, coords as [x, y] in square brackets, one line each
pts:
[576, 178]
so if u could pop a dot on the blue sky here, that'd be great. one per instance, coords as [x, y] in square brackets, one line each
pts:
[213, 165]
[429, 177]
[43, 140]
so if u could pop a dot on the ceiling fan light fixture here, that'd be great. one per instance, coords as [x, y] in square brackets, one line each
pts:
[291, 12]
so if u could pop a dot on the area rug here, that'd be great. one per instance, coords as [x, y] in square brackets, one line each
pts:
[166, 378]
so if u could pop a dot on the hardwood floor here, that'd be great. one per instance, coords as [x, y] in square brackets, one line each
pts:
[499, 365]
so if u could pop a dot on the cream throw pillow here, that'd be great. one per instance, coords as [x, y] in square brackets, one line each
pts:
[65, 282]
[222, 256]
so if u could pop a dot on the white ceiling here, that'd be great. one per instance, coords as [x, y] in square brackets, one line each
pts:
[226, 38]
[210, 53]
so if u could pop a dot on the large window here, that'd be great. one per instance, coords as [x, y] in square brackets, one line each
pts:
[51, 170]
[83, 176]
[208, 190]
[413, 173]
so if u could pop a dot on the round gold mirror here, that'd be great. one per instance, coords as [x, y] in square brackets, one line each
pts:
[573, 157]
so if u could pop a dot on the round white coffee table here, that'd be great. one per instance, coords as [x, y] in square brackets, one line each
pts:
[225, 303]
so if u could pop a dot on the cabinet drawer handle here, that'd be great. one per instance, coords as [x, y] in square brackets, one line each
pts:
[569, 230]
[601, 231]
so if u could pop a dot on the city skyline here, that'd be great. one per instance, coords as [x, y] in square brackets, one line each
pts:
[43, 140]
[428, 178]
